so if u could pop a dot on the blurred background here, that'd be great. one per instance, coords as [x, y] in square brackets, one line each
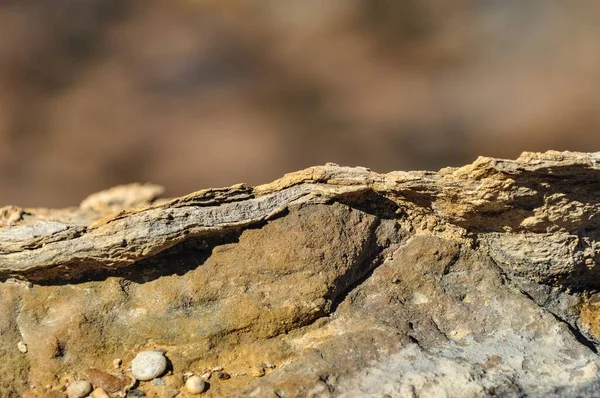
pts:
[200, 93]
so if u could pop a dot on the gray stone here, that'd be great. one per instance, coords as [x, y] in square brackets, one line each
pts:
[148, 365]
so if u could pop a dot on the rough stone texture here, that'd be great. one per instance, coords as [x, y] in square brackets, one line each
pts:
[333, 281]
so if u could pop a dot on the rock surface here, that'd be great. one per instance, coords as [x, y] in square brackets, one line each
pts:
[332, 281]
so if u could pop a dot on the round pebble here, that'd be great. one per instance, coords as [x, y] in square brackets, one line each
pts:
[99, 393]
[148, 365]
[195, 385]
[79, 389]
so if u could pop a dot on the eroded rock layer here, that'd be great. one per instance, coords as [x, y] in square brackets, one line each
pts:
[332, 281]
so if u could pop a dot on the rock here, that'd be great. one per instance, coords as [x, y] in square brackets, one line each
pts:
[258, 371]
[148, 365]
[10, 215]
[472, 281]
[195, 385]
[99, 393]
[122, 197]
[79, 389]
[108, 382]
[22, 347]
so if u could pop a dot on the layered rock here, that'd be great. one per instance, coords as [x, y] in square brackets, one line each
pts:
[332, 281]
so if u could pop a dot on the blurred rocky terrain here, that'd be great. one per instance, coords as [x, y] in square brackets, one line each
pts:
[329, 282]
[190, 93]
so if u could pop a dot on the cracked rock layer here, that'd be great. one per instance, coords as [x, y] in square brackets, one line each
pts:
[332, 281]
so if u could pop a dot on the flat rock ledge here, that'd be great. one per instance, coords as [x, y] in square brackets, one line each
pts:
[333, 281]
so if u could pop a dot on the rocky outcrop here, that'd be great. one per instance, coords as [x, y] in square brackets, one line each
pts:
[332, 281]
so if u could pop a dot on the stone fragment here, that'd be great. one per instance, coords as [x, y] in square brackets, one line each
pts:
[22, 347]
[122, 197]
[258, 371]
[108, 382]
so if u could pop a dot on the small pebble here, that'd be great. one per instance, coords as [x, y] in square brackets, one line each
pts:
[223, 376]
[195, 385]
[217, 369]
[22, 347]
[117, 363]
[148, 365]
[79, 389]
[206, 376]
[99, 393]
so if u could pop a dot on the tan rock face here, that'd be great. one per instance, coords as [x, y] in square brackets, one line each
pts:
[270, 281]
[590, 316]
[330, 282]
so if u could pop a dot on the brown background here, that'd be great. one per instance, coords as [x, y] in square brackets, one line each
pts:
[191, 94]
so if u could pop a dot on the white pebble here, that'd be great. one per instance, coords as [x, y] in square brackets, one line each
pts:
[195, 385]
[148, 365]
[99, 393]
[22, 347]
[79, 389]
